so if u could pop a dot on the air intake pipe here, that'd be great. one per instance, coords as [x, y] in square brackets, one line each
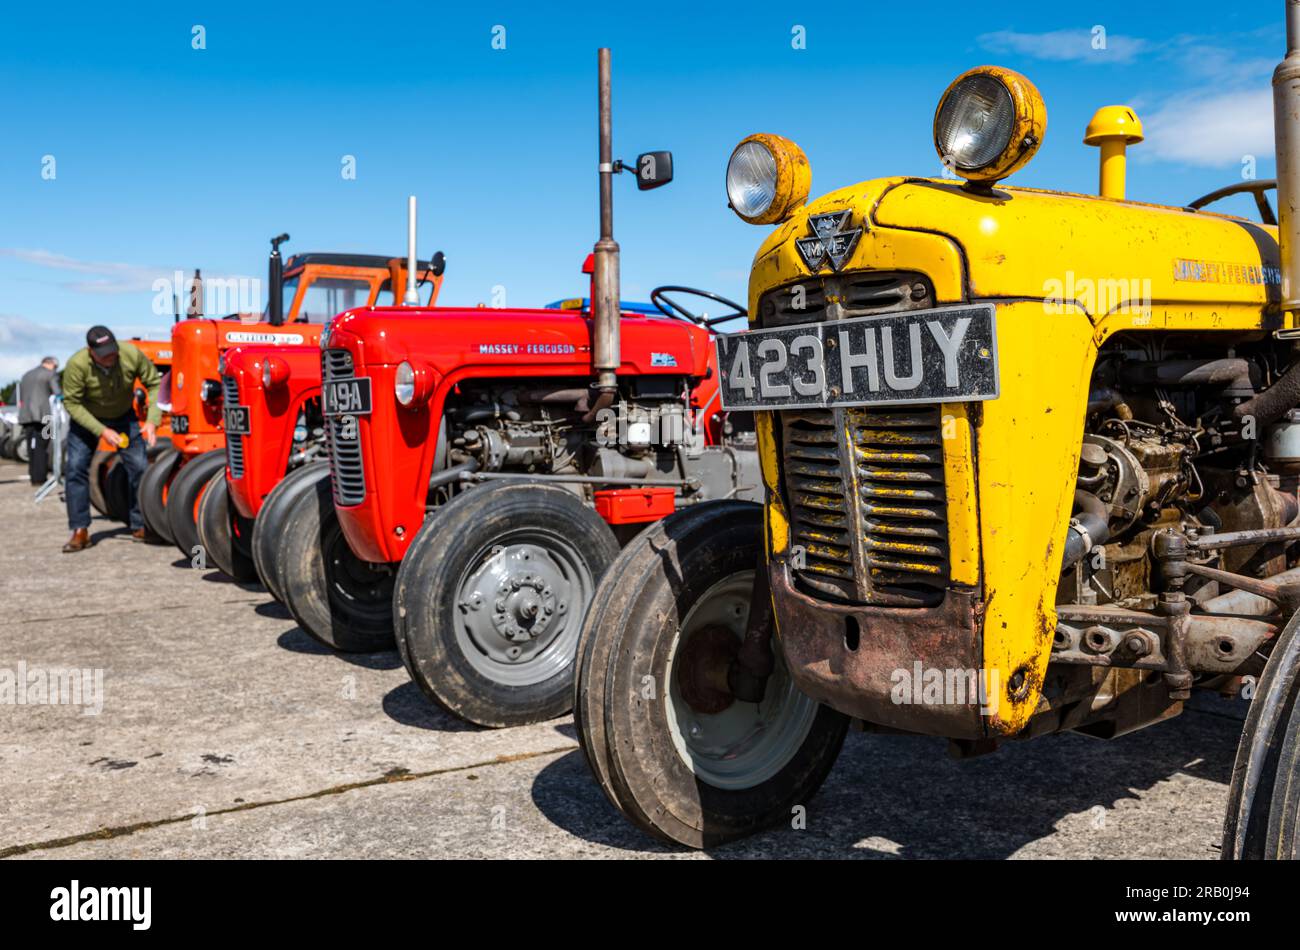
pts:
[275, 283]
[605, 351]
[1286, 131]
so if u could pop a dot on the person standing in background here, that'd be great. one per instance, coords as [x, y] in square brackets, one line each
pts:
[34, 391]
[98, 392]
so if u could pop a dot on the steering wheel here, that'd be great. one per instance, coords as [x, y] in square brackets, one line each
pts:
[1256, 188]
[672, 308]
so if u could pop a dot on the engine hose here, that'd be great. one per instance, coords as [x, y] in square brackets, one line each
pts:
[1089, 527]
[1272, 403]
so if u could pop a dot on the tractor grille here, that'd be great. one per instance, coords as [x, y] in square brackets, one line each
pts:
[866, 493]
[864, 485]
[858, 294]
[343, 444]
[234, 443]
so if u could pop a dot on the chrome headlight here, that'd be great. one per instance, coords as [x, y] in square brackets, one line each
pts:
[989, 123]
[767, 178]
[751, 179]
[404, 383]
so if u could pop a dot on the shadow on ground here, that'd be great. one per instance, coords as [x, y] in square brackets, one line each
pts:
[296, 641]
[408, 706]
[899, 796]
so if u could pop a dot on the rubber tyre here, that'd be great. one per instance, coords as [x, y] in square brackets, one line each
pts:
[224, 534]
[154, 486]
[183, 498]
[95, 476]
[336, 598]
[21, 447]
[117, 489]
[630, 641]
[1263, 814]
[450, 546]
[270, 522]
[6, 443]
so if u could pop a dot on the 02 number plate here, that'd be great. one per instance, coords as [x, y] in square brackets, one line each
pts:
[237, 420]
[948, 354]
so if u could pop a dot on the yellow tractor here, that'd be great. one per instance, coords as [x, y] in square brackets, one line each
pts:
[1031, 463]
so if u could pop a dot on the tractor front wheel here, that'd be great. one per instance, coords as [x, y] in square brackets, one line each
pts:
[669, 744]
[153, 493]
[490, 601]
[337, 598]
[269, 524]
[224, 534]
[183, 496]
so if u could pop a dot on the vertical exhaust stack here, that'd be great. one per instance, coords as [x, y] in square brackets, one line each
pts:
[412, 298]
[275, 280]
[605, 291]
[195, 308]
[1286, 130]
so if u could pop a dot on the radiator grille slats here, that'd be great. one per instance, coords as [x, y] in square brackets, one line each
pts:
[864, 485]
[234, 443]
[347, 474]
[898, 465]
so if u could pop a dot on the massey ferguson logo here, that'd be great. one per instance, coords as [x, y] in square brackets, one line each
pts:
[830, 242]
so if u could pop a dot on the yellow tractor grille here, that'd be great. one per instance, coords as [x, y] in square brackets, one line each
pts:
[866, 498]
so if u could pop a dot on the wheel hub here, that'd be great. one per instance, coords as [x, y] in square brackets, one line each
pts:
[516, 601]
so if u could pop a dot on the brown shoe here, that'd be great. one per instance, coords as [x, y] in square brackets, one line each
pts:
[138, 534]
[79, 541]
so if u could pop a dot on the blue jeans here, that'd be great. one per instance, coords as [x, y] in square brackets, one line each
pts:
[81, 449]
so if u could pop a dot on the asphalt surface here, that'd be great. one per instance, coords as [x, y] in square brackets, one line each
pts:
[226, 732]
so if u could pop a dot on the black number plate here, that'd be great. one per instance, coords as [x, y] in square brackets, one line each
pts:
[237, 420]
[347, 397]
[948, 354]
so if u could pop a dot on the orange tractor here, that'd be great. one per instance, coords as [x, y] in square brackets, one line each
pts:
[304, 292]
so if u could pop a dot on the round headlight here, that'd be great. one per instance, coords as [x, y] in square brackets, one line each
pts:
[989, 123]
[275, 371]
[767, 178]
[404, 383]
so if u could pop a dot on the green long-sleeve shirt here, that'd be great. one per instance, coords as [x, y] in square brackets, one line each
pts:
[92, 393]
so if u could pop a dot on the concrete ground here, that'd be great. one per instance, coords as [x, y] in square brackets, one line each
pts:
[226, 732]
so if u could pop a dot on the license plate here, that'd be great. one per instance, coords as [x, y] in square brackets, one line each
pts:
[948, 354]
[347, 397]
[180, 424]
[237, 421]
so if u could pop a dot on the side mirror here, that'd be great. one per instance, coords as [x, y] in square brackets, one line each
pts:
[653, 169]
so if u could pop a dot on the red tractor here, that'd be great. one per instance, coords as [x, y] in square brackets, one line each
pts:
[273, 426]
[485, 467]
[304, 292]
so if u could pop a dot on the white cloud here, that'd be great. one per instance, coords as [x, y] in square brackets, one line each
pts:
[1212, 129]
[110, 277]
[1064, 46]
[23, 344]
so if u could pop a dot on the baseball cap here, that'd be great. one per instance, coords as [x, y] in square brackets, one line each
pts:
[101, 341]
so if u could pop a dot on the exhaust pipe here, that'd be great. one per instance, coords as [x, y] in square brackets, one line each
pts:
[275, 278]
[412, 298]
[604, 279]
[1286, 131]
[195, 307]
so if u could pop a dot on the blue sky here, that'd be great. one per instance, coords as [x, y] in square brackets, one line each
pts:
[169, 157]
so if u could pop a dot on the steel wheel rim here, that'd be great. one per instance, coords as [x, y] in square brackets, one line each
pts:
[358, 585]
[745, 744]
[500, 609]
